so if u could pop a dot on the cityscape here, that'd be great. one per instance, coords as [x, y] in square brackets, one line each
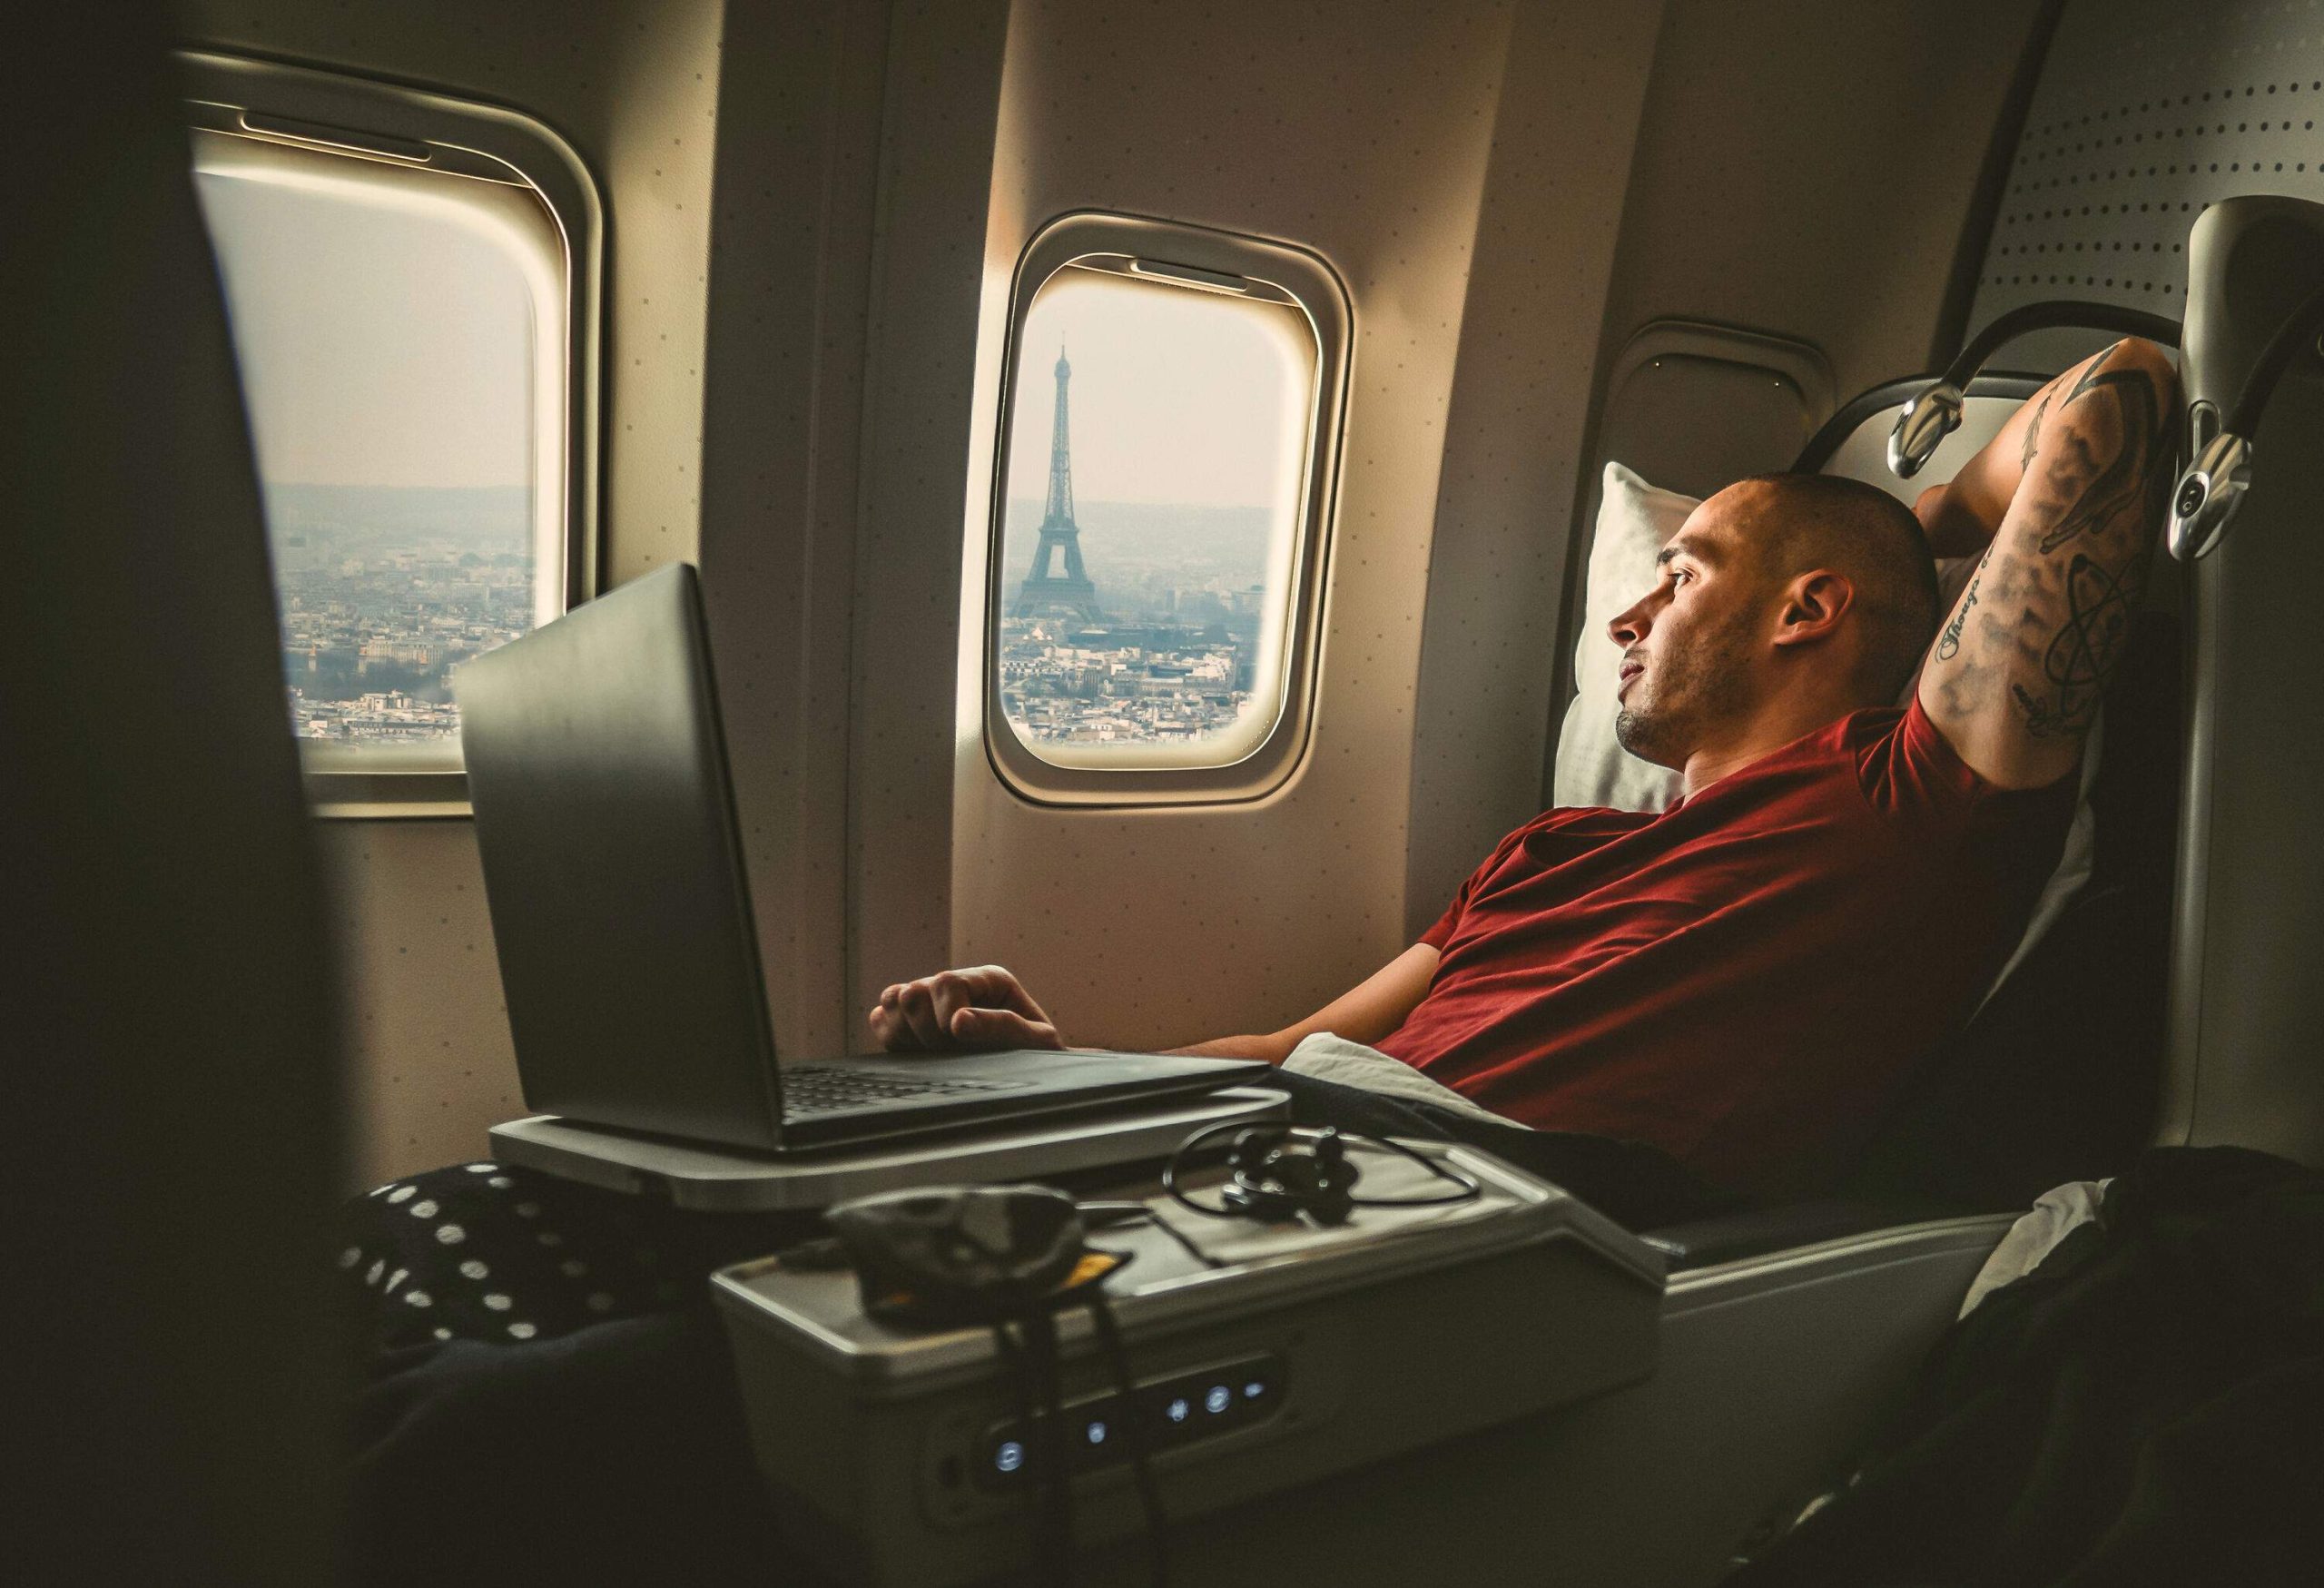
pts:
[1165, 651]
[1158, 646]
[384, 590]
[1127, 623]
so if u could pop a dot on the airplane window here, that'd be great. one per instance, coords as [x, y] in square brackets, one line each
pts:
[1158, 481]
[400, 332]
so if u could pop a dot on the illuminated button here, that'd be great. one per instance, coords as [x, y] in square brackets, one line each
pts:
[1178, 1409]
[1261, 1388]
[1217, 1399]
[1096, 1431]
[1009, 1455]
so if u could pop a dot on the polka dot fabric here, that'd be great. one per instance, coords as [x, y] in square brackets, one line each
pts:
[486, 1251]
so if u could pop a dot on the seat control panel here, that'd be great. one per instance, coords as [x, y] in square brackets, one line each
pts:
[1179, 1410]
[1260, 1361]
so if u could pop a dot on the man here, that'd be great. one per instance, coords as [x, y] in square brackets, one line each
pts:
[1742, 982]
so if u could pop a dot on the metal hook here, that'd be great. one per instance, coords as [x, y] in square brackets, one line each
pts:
[1926, 420]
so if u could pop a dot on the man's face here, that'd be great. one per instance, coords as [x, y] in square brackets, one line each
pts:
[1690, 650]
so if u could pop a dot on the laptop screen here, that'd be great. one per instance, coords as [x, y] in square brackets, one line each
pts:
[612, 865]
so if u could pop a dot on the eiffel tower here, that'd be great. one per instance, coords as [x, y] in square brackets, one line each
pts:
[1071, 590]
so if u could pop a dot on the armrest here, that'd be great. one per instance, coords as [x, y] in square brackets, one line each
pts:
[1726, 1236]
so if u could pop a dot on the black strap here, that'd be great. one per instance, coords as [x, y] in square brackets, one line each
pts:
[1056, 1529]
[1140, 1429]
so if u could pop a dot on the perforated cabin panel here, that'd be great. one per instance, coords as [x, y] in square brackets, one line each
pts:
[2147, 112]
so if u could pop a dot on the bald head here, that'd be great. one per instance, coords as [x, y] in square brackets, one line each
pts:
[1799, 522]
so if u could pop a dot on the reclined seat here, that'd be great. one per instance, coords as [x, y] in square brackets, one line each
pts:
[1784, 1333]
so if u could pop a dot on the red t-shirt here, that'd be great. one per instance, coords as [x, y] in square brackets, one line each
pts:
[1744, 980]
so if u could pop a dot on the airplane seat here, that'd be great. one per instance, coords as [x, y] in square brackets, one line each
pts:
[2057, 1077]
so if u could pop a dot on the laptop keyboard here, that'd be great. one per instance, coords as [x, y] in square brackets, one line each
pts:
[824, 1089]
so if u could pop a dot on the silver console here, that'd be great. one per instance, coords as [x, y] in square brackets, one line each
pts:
[1290, 1354]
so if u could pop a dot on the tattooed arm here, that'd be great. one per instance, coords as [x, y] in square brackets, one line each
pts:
[2073, 493]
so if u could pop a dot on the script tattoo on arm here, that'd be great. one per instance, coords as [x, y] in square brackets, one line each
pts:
[2016, 676]
[1948, 644]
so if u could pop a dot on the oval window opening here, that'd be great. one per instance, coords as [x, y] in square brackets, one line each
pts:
[1161, 437]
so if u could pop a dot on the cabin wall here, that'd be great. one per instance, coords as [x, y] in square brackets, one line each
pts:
[1616, 166]
[813, 210]
[633, 87]
[787, 417]
[924, 404]
[1807, 168]
[1570, 135]
[1369, 142]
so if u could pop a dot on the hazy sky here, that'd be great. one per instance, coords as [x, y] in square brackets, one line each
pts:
[387, 339]
[381, 343]
[1178, 396]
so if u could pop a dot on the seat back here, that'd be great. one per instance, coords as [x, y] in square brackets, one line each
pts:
[2057, 1075]
[168, 1004]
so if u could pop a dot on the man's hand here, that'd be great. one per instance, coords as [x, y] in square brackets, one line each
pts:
[980, 1007]
[986, 1007]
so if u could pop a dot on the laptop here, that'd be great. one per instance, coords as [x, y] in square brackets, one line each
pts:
[612, 869]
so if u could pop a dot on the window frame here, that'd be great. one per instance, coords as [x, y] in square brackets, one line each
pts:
[361, 119]
[1175, 256]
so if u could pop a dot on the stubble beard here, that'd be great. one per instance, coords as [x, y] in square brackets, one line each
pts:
[1701, 684]
[1646, 734]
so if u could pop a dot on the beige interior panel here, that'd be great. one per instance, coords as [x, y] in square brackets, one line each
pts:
[800, 100]
[632, 86]
[1806, 168]
[922, 375]
[430, 1064]
[1552, 211]
[1696, 424]
[2146, 111]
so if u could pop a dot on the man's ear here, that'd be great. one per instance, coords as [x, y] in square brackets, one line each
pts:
[1814, 604]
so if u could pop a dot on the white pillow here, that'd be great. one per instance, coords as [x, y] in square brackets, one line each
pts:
[1634, 519]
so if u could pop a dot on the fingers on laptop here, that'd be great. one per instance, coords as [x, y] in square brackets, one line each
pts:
[984, 1006]
[917, 1004]
[915, 1016]
[1001, 1028]
[888, 1026]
